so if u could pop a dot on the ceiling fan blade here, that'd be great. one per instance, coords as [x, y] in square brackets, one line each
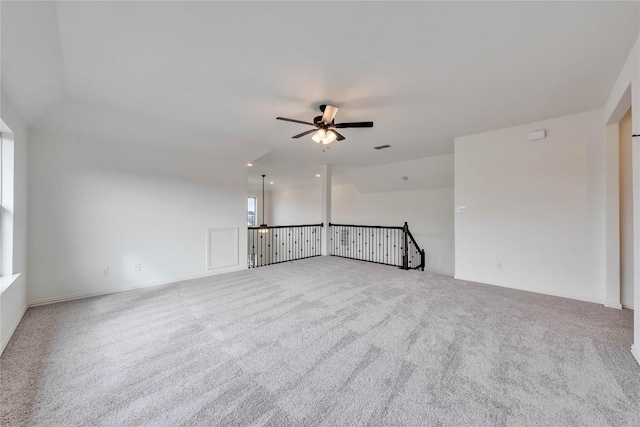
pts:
[340, 137]
[329, 113]
[294, 121]
[305, 133]
[354, 125]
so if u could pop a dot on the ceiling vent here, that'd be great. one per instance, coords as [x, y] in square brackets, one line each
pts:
[381, 147]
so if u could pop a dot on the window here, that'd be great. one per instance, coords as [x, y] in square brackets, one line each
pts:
[251, 211]
[6, 204]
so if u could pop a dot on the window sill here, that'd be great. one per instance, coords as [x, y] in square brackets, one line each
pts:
[6, 281]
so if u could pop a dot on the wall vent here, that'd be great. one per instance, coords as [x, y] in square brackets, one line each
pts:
[381, 147]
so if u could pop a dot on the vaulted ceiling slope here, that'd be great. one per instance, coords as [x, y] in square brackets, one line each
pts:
[424, 72]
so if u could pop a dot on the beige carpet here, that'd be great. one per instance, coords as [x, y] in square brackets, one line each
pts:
[324, 341]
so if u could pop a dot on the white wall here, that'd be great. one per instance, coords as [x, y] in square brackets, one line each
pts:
[14, 299]
[421, 174]
[626, 213]
[296, 206]
[536, 207]
[94, 204]
[428, 212]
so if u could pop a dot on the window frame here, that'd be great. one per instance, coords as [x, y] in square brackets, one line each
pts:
[7, 182]
[255, 211]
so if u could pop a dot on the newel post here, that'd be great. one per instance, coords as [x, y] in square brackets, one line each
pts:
[405, 247]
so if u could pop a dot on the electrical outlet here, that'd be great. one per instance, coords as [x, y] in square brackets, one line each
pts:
[500, 266]
[137, 267]
[105, 271]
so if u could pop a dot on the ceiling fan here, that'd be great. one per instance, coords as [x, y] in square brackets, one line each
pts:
[324, 126]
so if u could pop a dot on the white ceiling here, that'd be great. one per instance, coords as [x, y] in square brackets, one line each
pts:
[424, 72]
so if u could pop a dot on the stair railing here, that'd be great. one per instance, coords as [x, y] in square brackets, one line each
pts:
[389, 245]
[268, 245]
[414, 257]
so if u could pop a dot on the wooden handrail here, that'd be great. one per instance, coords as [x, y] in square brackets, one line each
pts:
[365, 226]
[285, 226]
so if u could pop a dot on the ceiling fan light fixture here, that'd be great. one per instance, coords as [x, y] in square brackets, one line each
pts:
[329, 138]
[324, 137]
[319, 136]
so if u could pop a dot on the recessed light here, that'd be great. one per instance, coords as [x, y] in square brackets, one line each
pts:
[318, 176]
[249, 164]
[271, 183]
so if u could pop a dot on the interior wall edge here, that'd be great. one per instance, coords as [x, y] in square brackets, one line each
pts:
[6, 341]
[635, 350]
[614, 304]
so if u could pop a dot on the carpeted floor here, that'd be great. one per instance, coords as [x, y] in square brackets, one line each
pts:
[324, 341]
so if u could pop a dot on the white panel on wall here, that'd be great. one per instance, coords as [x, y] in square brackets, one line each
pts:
[222, 247]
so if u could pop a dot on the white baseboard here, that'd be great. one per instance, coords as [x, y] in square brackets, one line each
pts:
[627, 306]
[81, 295]
[635, 350]
[615, 305]
[13, 329]
[535, 290]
